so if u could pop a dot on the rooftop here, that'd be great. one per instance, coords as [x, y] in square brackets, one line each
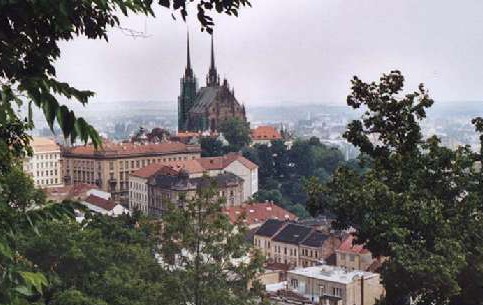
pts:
[42, 144]
[258, 213]
[292, 234]
[265, 133]
[270, 227]
[349, 246]
[331, 274]
[102, 203]
[110, 150]
[315, 239]
[213, 163]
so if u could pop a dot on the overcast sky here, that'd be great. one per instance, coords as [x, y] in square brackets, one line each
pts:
[291, 51]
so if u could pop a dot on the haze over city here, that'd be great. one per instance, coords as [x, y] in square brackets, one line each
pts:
[289, 52]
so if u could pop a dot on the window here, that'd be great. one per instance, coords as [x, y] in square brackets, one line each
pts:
[111, 165]
[294, 283]
[285, 251]
[352, 257]
[342, 256]
[337, 291]
[322, 289]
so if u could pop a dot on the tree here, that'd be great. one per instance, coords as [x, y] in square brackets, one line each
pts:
[419, 204]
[211, 147]
[209, 257]
[29, 34]
[236, 132]
[104, 260]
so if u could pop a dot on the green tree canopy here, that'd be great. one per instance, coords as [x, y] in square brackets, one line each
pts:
[236, 132]
[419, 204]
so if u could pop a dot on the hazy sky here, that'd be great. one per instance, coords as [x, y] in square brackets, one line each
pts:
[287, 51]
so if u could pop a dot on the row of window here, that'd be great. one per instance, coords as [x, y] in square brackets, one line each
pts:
[47, 156]
[343, 256]
[51, 172]
[51, 181]
[323, 290]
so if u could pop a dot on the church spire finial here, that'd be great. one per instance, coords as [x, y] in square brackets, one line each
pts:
[212, 79]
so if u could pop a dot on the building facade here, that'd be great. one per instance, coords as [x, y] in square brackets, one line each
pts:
[206, 108]
[330, 285]
[295, 245]
[44, 166]
[179, 188]
[110, 166]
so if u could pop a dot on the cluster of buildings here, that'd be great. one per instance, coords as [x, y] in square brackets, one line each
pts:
[141, 176]
[309, 263]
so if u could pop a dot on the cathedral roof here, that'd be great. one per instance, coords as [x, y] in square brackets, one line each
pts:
[205, 97]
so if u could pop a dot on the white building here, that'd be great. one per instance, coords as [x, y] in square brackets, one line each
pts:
[104, 206]
[330, 285]
[213, 166]
[236, 164]
[44, 166]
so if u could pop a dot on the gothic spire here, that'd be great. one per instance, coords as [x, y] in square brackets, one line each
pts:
[212, 79]
[188, 71]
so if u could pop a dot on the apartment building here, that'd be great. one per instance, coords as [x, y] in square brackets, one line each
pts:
[44, 165]
[295, 245]
[195, 168]
[236, 164]
[330, 285]
[109, 167]
[177, 189]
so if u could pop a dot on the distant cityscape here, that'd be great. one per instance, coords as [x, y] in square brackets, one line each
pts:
[451, 122]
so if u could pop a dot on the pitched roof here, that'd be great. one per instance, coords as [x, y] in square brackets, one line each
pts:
[270, 227]
[204, 98]
[102, 203]
[214, 163]
[131, 149]
[292, 234]
[349, 246]
[258, 213]
[315, 239]
[265, 133]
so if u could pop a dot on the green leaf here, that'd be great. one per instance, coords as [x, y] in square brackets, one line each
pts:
[34, 279]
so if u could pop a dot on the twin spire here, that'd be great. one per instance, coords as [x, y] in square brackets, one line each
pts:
[212, 79]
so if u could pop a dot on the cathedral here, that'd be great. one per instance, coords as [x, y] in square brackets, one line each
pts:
[204, 109]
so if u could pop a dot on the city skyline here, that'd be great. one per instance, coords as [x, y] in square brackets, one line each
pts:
[340, 39]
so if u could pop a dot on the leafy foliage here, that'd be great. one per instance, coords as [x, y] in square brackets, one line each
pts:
[282, 171]
[209, 258]
[419, 204]
[236, 132]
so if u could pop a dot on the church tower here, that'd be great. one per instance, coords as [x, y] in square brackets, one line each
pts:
[212, 79]
[188, 89]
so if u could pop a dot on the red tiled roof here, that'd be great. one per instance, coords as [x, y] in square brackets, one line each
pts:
[265, 133]
[129, 149]
[213, 163]
[349, 247]
[73, 191]
[105, 204]
[258, 213]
